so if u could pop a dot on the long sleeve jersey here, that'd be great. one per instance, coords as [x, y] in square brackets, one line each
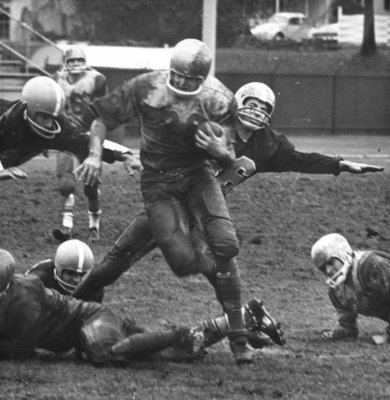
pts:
[34, 317]
[168, 122]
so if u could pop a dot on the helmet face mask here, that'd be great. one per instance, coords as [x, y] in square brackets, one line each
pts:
[189, 67]
[75, 61]
[256, 103]
[334, 257]
[72, 261]
[45, 102]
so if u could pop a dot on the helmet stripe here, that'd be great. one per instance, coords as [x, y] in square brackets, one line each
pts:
[81, 258]
[59, 99]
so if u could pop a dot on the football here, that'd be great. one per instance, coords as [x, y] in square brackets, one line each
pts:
[209, 127]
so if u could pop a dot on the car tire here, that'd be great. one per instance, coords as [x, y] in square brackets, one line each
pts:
[279, 36]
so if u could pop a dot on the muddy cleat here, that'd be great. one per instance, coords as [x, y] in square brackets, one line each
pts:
[259, 320]
[191, 343]
[62, 234]
[94, 235]
[242, 352]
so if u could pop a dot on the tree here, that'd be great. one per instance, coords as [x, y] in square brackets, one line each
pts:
[369, 44]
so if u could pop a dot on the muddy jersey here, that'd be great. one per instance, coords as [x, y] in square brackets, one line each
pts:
[79, 95]
[44, 270]
[34, 317]
[168, 122]
[366, 290]
[19, 143]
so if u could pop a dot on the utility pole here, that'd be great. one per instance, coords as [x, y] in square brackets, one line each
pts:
[277, 6]
[209, 28]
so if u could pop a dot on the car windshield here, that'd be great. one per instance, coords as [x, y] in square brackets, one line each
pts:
[279, 19]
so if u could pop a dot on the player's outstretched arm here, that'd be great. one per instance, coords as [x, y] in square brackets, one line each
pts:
[89, 172]
[358, 168]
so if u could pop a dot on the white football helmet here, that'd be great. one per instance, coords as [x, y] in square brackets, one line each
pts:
[253, 118]
[43, 95]
[330, 247]
[72, 255]
[191, 58]
[78, 59]
[7, 269]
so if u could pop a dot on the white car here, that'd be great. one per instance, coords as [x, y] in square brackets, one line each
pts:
[284, 25]
[329, 32]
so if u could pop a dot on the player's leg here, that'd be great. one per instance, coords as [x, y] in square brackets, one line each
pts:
[135, 242]
[168, 219]
[263, 329]
[94, 212]
[208, 205]
[188, 344]
[67, 186]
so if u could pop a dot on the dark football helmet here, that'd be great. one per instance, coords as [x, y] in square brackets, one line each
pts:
[191, 59]
[75, 60]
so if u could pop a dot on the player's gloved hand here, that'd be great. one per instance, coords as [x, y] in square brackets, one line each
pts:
[8, 119]
[12, 173]
[131, 164]
[357, 168]
[90, 171]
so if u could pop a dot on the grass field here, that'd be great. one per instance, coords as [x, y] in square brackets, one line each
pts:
[286, 213]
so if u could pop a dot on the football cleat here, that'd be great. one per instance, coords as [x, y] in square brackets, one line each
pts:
[242, 352]
[62, 234]
[94, 235]
[259, 320]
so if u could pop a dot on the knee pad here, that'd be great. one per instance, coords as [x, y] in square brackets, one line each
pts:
[222, 238]
[97, 337]
[180, 256]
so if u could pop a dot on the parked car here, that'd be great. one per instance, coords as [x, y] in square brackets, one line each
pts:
[328, 33]
[284, 25]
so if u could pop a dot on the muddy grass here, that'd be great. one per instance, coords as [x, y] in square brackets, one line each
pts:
[283, 214]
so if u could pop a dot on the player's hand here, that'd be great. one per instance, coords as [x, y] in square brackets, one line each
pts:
[12, 173]
[131, 164]
[358, 168]
[13, 113]
[211, 138]
[90, 171]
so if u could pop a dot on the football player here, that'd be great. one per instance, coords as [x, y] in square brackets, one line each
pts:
[72, 260]
[81, 85]
[35, 317]
[35, 124]
[177, 109]
[359, 284]
[259, 149]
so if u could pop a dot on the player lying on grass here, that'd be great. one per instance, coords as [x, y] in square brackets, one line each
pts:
[359, 284]
[259, 149]
[74, 258]
[34, 317]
